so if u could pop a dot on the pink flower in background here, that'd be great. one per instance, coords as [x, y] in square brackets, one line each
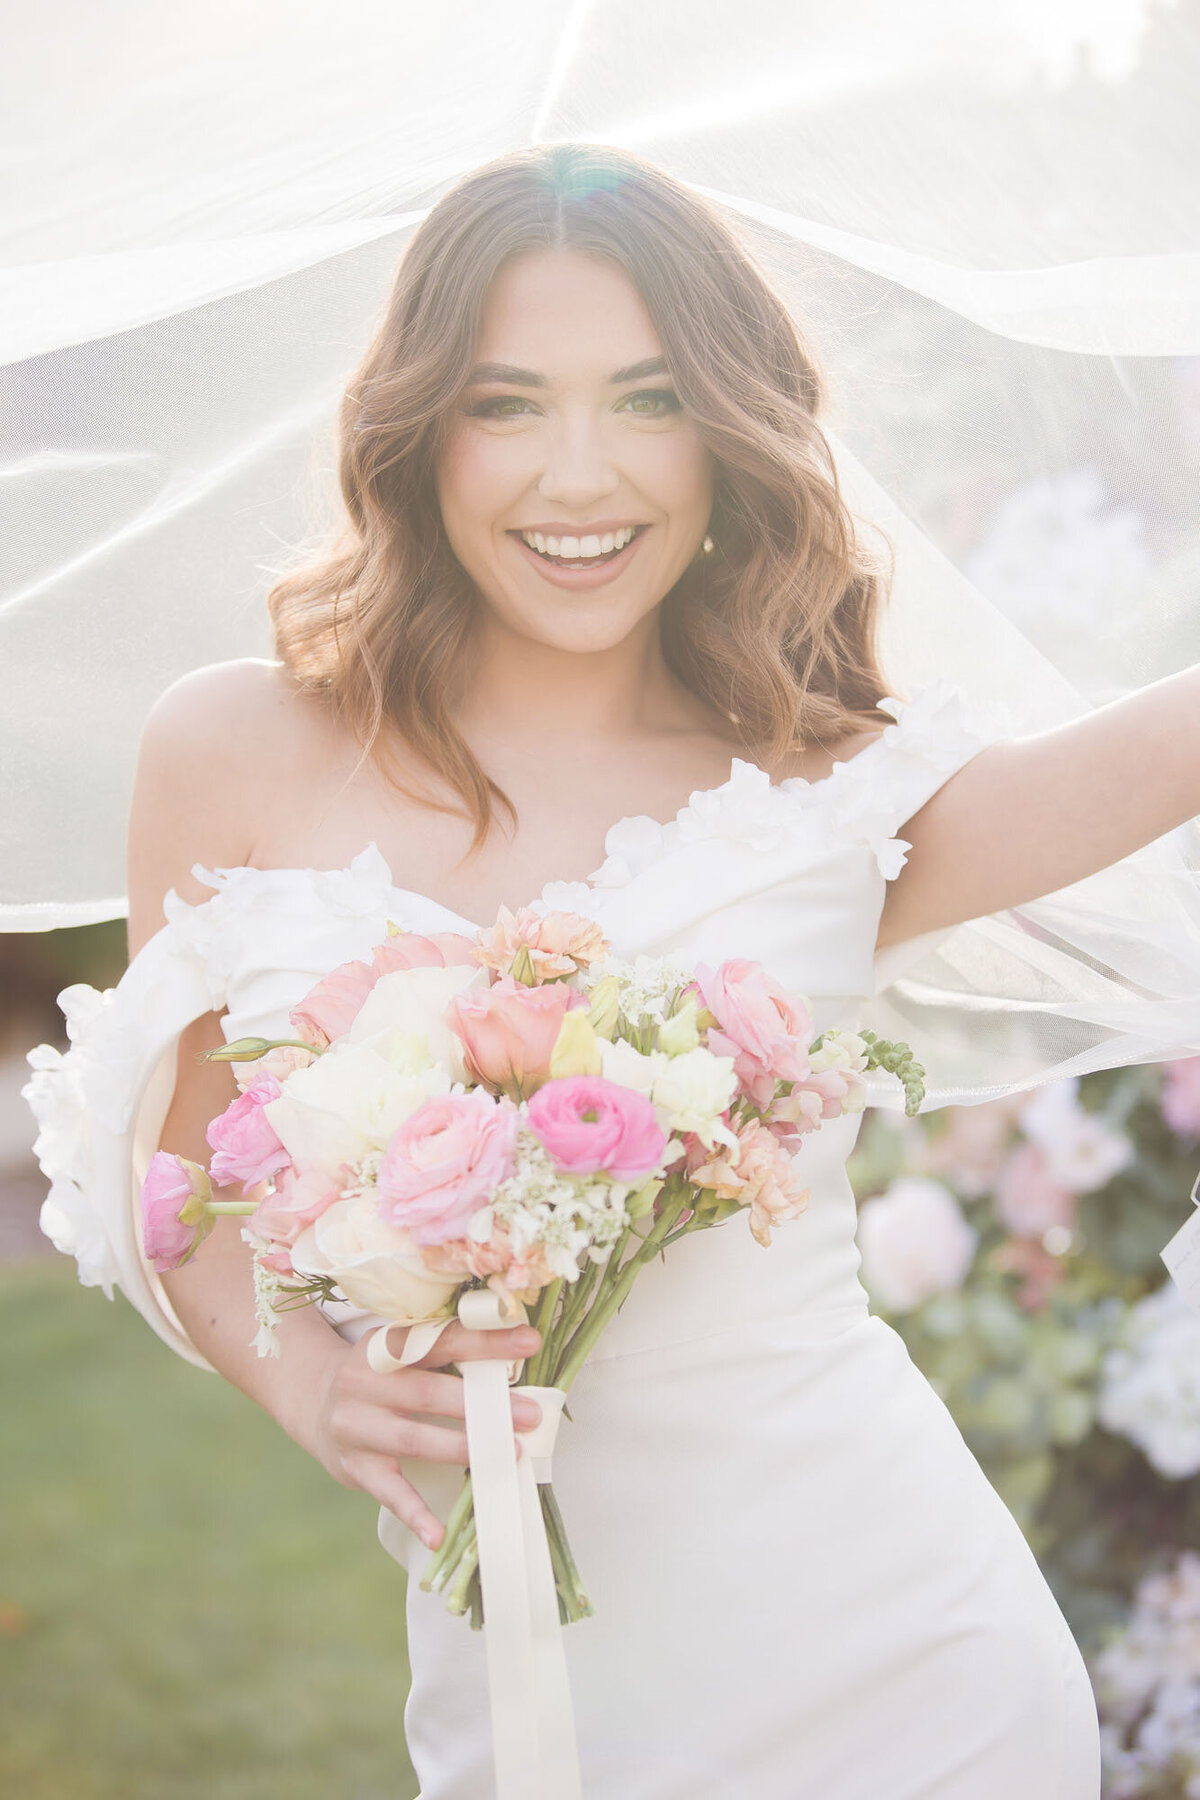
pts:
[246, 1148]
[558, 943]
[172, 1207]
[914, 1243]
[1028, 1199]
[1180, 1098]
[622, 1135]
[445, 1162]
[970, 1149]
[765, 1029]
[509, 1031]
[1040, 1272]
[329, 1008]
[296, 1201]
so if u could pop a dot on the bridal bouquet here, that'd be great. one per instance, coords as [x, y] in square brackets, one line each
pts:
[518, 1110]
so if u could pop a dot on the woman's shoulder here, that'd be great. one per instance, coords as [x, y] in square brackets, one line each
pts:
[218, 746]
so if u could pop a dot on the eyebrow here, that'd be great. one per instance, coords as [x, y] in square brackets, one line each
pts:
[507, 372]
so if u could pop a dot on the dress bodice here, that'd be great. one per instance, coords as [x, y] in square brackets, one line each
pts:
[792, 874]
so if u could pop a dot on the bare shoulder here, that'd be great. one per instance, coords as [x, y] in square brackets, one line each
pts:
[213, 748]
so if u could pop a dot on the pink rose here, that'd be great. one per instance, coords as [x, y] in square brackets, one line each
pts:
[1028, 1200]
[509, 1031]
[296, 1201]
[766, 1030]
[558, 943]
[1180, 1099]
[172, 1201]
[247, 1149]
[588, 1124]
[445, 1162]
[413, 950]
[331, 1007]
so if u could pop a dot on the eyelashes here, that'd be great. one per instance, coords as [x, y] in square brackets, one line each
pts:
[487, 409]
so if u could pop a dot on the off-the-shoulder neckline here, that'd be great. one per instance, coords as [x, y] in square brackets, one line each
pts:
[797, 793]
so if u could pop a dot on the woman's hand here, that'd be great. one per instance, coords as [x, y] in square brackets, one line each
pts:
[365, 1421]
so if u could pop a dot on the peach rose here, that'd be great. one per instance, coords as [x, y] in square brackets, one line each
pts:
[558, 943]
[766, 1030]
[508, 1031]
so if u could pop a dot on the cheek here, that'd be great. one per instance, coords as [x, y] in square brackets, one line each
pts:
[476, 476]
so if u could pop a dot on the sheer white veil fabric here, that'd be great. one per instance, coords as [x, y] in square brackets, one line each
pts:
[985, 225]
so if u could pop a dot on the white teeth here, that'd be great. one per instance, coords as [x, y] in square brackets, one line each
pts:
[581, 547]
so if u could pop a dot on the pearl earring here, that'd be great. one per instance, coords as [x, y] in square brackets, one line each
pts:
[708, 546]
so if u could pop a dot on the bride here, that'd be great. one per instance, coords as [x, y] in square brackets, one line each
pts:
[598, 632]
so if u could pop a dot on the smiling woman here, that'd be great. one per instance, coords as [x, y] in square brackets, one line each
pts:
[745, 606]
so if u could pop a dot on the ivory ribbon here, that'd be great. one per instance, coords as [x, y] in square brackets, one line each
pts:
[533, 1720]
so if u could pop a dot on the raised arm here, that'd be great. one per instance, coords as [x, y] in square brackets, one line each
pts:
[1030, 815]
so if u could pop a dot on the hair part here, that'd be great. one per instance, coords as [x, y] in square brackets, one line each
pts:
[775, 631]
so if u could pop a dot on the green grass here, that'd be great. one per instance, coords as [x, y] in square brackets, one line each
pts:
[190, 1609]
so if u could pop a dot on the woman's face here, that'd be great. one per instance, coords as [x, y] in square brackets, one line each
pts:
[572, 440]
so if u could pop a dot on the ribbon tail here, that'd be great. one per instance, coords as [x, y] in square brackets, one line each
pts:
[533, 1731]
[556, 1712]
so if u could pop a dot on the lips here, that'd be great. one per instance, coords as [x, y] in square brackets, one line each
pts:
[564, 576]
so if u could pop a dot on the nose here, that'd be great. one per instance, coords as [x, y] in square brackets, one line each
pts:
[578, 469]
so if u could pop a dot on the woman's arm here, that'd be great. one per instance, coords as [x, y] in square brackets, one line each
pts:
[195, 795]
[1031, 815]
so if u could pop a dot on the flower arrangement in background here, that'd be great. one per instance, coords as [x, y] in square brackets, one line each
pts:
[1014, 1245]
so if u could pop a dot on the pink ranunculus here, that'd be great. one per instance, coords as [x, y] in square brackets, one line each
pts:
[330, 1008]
[588, 1125]
[445, 1162]
[246, 1148]
[509, 1031]
[297, 1200]
[765, 1029]
[558, 943]
[1028, 1200]
[1180, 1098]
[172, 1202]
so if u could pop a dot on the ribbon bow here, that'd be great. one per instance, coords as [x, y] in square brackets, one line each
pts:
[533, 1721]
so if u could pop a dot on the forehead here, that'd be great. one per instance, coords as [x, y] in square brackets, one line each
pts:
[565, 301]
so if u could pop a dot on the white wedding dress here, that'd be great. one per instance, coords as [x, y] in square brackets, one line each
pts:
[804, 1586]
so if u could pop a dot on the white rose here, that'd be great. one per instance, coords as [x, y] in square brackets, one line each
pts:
[628, 1067]
[914, 1243]
[376, 1265]
[414, 1001]
[346, 1103]
[694, 1090]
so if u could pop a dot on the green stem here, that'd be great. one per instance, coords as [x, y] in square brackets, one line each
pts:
[445, 1556]
[578, 1604]
[580, 1348]
[230, 1207]
[457, 1595]
[539, 1363]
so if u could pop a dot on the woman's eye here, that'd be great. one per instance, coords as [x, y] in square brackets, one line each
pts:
[663, 401]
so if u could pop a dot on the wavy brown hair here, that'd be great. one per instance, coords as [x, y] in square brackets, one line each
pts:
[775, 631]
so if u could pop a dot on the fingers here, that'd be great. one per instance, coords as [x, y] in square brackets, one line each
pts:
[457, 1345]
[376, 1476]
[381, 1432]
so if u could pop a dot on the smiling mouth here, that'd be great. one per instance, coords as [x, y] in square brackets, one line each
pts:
[580, 562]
